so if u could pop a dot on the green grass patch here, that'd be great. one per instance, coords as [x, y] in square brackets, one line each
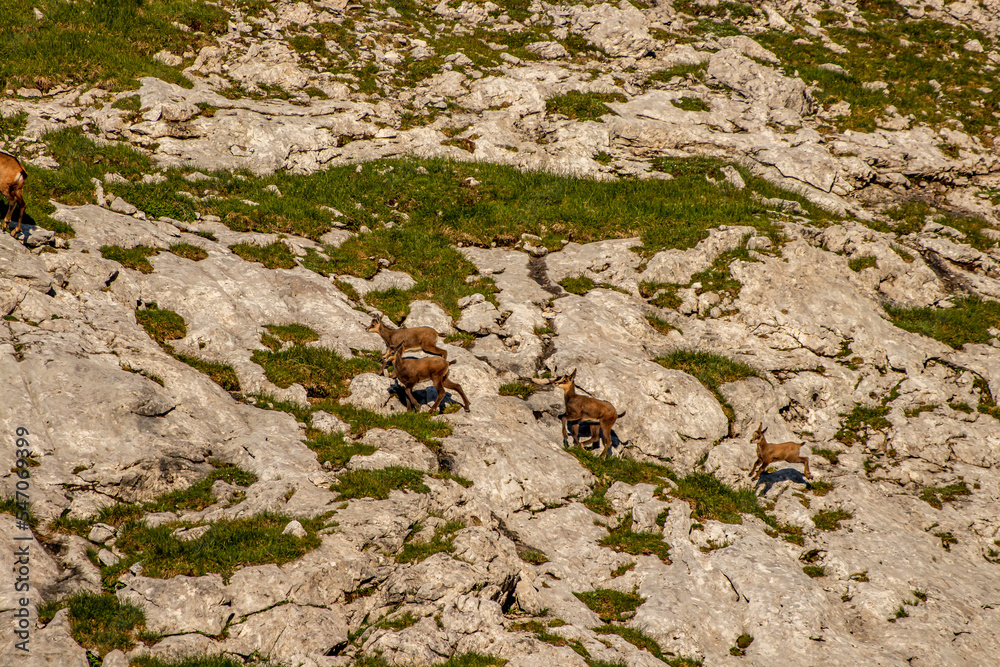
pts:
[109, 43]
[323, 372]
[830, 455]
[861, 262]
[204, 661]
[611, 606]
[741, 645]
[712, 370]
[623, 469]
[814, 571]
[577, 284]
[221, 374]
[378, 483]
[830, 519]
[582, 106]
[968, 322]
[711, 498]
[519, 389]
[624, 540]
[691, 104]
[622, 569]
[819, 488]
[876, 52]
[917, 410]
[440, 542]
[335, 448]
[198, 496]
[299, 334]
[638, 639]
[227, 546]
[161, 324]
[421, 425]
[13, 126]
[274, 256]
[130, 258]
[661, 326]
[533, 556]
[935, 496]
[188, 251]
[861, 421]
[393, 302]
[100, 622]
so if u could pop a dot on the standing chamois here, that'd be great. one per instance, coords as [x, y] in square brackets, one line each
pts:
[409, 371]
[422, 338]
[12, 177]
[769, 452]
[585, 408]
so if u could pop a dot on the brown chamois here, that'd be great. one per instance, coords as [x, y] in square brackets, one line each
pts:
[415, 338]
[769, 452]
[409, 371]
[12, 177]
[585, 408]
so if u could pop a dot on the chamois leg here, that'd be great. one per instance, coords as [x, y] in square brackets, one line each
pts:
[434, 349]
[764, 462]
[576, 433]
[753, 468]
[606, 434]
[565, 435]
[596, 430]
[439, 387]
[10, 207]
[20, 202]
[457, 387]
[805, 462]
[414, 404]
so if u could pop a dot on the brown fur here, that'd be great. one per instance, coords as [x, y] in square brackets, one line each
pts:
[769, 452]
[12, 177]
[587, 409]
[409, 371]
[415, 338]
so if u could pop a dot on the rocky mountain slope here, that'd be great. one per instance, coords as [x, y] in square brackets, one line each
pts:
[722, 215]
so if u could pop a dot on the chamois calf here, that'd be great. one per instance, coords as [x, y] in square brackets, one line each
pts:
[584, 408]
[12, 177]
[409, 371]
[415, 338]
[769, 452]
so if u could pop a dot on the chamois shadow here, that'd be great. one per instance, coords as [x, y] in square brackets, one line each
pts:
[784, 475]
[27, 223]
[588, 431]
[425, 396]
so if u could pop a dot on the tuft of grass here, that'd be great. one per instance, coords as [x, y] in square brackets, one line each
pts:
[401, 622]
[441, 542]
[819, 488]
[335, 448]
[640, 640]
[936, 496]
[227, 546]
[421, 425]
[577, 284]
[161, 324]
[828, 454]
[299, 334]
[99, 621]
[14, 125]
[519, 389]
[188, 251]
[860, 421]
[611, 606]
[274, 256]
[742, 644]
[393, 302]
[204, 661]
[198, 496]
[814, 571]
[624, 540]
[968, 322]
[691, 104]
[130, 258]
[861, 262]
[323, 372]
[712, 370]
[662, 326]
[622, 569]
[830, 519]
[582, 106]
[947, 539]
[533, 556]
[711, 498]
[625, 470]
[378, 483]
[221, 374]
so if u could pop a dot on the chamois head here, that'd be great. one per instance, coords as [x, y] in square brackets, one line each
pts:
[375, 325]
[759, 433]
[565, 382]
